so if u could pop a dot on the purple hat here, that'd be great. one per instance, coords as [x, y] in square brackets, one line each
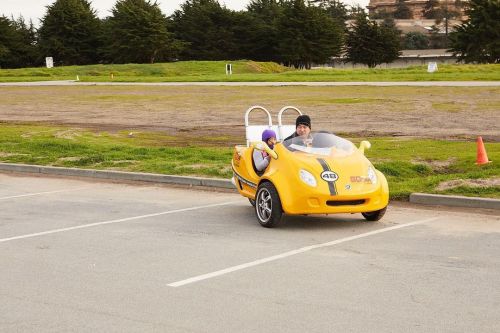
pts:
[267, 134]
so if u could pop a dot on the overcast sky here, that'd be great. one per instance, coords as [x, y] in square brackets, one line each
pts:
[35, 9]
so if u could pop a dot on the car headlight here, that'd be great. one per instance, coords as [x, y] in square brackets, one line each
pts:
[307, 178]
[372, 175]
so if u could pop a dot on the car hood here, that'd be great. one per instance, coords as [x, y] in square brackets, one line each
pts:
[350, 171]
[353, 163]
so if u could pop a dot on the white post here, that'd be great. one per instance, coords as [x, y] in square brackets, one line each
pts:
[49, 62]
[432, 67]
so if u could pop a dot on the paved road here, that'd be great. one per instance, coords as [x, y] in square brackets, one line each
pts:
[107, 257]
[323, 84]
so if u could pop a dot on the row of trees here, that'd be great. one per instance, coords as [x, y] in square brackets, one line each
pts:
[292, 32]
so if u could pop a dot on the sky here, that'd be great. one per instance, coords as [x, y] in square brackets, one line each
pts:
[35, 9]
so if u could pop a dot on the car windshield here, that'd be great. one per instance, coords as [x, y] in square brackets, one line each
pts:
[321, 143]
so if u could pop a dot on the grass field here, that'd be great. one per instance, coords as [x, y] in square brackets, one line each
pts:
[249, 71]
[411, 165]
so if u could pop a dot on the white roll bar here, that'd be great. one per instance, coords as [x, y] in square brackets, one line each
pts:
[254, 132]
[256, 107]
[287, 108]
[286, 130]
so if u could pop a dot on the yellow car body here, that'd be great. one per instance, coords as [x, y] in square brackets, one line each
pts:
[344, 179]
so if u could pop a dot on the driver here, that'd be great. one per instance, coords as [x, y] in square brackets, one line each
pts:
[261, 158]
[302, 135]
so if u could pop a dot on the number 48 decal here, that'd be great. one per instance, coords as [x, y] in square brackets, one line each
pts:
[329, 176]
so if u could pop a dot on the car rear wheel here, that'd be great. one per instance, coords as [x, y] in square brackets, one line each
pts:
[374, 216]
[268, 205]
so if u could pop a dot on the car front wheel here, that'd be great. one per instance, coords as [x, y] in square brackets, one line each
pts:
[374, 216]
[268, 205]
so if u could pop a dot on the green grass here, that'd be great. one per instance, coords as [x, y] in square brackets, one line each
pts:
[410, 165]
[60, 146]
[420, 165]
[207, 71]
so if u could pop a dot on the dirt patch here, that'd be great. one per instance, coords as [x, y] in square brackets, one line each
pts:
[194, 166]
[67, 134]
[3, 154]
[193, 112]
[437, 165]
[69, 159]
[482, 183]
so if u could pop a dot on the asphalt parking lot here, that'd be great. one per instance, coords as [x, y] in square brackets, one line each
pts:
[88, 256]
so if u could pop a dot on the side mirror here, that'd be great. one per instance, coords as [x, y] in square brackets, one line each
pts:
[261, 145]
[364, 145]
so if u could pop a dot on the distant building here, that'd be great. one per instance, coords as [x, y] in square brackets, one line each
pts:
[406, 59]
[424, 26]
[416, 7]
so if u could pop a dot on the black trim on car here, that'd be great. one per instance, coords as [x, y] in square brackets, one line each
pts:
[243, 180]
[331, 185]
[346, 202]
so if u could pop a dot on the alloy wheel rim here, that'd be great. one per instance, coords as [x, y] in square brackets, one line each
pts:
[264, 206]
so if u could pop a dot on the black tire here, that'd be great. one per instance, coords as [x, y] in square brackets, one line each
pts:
[252, 201]
[268, 205]
[374, 216]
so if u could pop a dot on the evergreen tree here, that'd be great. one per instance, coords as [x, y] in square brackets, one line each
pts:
[250, 38]
[390, 41]
[207, 29]
[137, 32]
[354, 11]
[416, 41]
[478, 38]
[70, 32]
[17, 43]
[336, 9]
[307, 35]
[263, 36]
[7, 39]
[402, 10]
[370, 44]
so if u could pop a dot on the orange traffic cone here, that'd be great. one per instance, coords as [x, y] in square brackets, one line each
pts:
[482, 157]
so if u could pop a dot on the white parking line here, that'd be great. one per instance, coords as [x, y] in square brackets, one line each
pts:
[293, 252]
[83, 226]
[41, 193]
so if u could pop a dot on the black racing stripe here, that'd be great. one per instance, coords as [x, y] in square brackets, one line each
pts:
[325, 165]
[331, 185]
[243, 180]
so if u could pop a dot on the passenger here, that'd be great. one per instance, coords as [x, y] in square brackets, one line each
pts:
[302, 134]
[261, 158]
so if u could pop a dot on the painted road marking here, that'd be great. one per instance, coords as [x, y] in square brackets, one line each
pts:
[83, 226]
[293, 252]
[42, 193]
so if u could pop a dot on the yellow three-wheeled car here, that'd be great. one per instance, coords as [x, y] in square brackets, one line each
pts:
[330, 175]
